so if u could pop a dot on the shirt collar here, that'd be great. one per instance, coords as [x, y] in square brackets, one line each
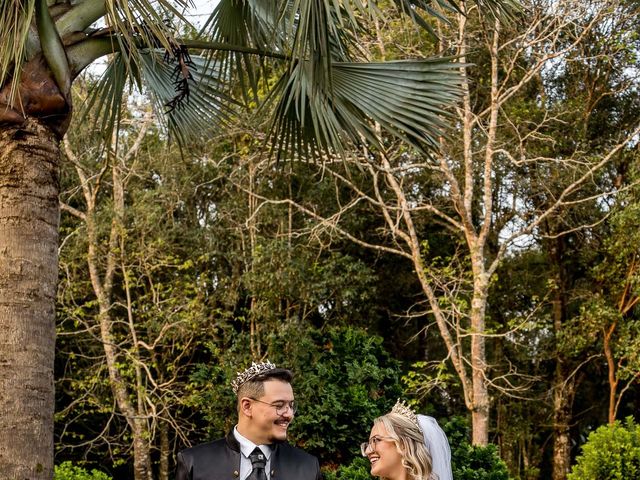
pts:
[247, 446]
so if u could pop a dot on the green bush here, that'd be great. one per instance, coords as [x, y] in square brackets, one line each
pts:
[68, 471]
[612, 452]
[348, 381]
[358, 469]
[471, 462]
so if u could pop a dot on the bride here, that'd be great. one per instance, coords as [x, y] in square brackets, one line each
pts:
[406, 446]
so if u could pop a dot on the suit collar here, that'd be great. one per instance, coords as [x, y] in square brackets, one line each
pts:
[233, 444]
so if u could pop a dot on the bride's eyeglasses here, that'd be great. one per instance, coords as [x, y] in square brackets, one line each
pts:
[372, 443]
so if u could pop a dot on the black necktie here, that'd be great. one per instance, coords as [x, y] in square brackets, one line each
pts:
[258, 460]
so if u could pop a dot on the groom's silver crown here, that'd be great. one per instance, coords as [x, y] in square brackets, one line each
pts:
[250, 373]
[403, 409]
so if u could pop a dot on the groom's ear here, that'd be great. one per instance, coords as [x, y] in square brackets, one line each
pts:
[245, 407]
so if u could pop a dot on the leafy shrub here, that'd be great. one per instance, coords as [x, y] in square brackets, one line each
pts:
[612, 452]
[348, 381]
[472, 462]
[68, 471]
[358, 469]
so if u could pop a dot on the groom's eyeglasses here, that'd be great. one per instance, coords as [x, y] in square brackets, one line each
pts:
[372, 443]
[281, 407]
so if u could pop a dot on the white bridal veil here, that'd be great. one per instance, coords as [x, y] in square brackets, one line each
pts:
[438, 447]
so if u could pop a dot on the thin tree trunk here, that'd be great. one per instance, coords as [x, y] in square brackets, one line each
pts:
[564, 385]
[611, 371]
[254, 330]
[627, 301]
[29, 218]
[563, 395]
[103, 291]
[165, 451]
[480, 409]
[415, 246]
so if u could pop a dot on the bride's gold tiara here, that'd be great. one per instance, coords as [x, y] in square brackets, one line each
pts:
[403, 409]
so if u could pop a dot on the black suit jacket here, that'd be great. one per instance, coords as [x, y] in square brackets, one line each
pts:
[220, 460]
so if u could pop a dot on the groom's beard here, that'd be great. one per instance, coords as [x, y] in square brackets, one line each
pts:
[279, 429]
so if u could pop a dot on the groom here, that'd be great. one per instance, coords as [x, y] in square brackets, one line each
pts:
[256, 448]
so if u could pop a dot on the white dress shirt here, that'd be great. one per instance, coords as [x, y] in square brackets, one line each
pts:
[246, 448]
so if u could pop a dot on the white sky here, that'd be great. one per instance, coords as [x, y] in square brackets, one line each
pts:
[203, 10]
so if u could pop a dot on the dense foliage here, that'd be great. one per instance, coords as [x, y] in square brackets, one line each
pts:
[612, 452]
[472, 462]
[68, 471]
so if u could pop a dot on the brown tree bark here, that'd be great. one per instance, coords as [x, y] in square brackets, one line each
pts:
[563, 395]
[611, 372]
[165, 451]
[564, 381]
[29, 218]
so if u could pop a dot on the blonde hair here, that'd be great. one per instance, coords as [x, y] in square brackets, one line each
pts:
[409, 441]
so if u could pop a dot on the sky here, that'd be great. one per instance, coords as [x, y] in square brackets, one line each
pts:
[203, 9]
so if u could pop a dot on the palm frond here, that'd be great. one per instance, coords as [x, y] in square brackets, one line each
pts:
[250, 24]
[298, 29]
[205, 106]
[106, 98]
[505, 10]
[408, 99]
[328, 29]
[16, 18]
[143, 24]
[304, 122]
[204, 103]
[433, 8]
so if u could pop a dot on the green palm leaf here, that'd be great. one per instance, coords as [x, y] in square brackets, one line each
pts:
[408, 99]
[16, 18]
[324, 100]
[106, 98]
[207, 107]
[144, 24]
[250, 24]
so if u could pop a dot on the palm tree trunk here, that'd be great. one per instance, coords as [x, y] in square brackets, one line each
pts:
[29, 218]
